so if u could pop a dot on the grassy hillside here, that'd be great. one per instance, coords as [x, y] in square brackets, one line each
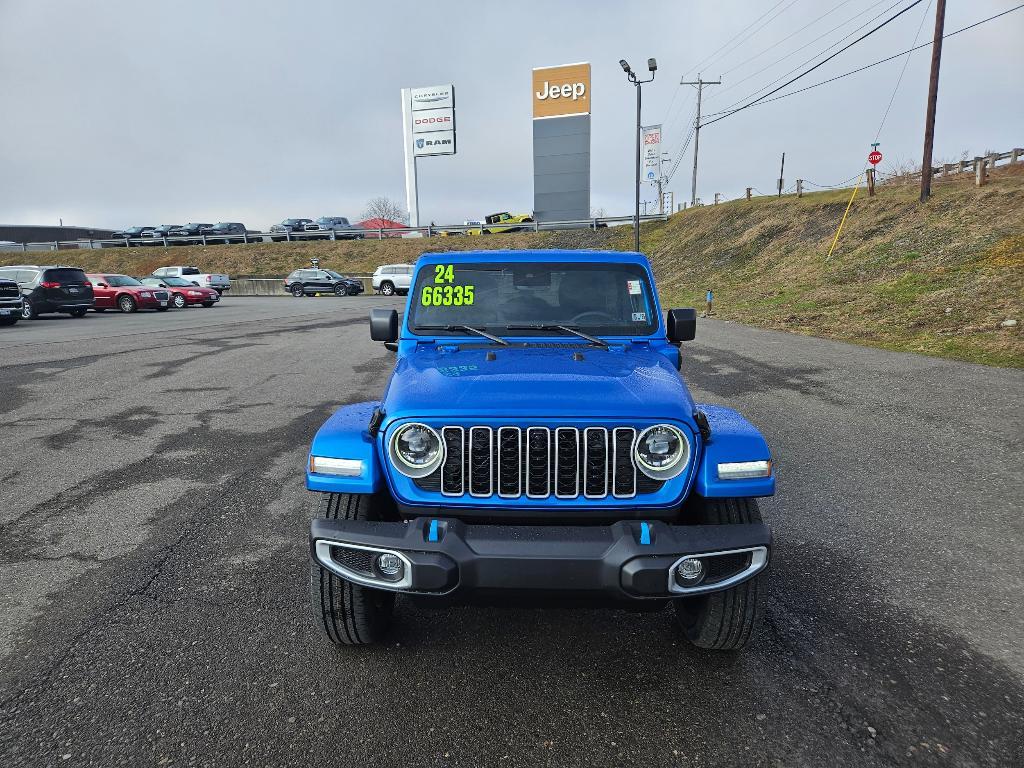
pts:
[936, 279]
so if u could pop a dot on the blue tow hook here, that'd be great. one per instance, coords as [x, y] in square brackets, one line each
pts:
[433, 534]
[645, 533]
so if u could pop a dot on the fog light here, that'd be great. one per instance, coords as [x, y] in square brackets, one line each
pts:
[390, 566]
[689, 572]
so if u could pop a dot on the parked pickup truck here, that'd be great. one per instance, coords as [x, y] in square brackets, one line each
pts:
[536, 442]
[219, 283]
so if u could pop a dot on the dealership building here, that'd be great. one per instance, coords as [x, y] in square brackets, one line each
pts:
[32, 233]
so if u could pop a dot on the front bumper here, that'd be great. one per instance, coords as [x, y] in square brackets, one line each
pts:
[627, 561]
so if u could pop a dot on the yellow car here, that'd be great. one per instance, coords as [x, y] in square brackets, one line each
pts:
[503, 222]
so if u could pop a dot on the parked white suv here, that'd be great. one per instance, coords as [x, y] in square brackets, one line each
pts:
[393, 278]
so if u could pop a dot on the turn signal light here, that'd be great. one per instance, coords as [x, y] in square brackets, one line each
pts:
[342, 467]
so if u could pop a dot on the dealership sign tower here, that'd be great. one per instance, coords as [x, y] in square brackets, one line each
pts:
[561, 142]
[428, 125]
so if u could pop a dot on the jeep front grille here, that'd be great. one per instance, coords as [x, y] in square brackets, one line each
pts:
[538, 463]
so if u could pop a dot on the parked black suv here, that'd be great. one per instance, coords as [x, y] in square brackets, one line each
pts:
[309, 282]
[131, 232]
[188, 234]
[157, 234]
[289, 229]
[10, 301]
[226, 232]
[50, 289]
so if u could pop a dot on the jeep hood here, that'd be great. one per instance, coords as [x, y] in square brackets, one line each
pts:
[621, 383]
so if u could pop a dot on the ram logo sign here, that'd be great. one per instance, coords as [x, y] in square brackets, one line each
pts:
[434, 143]
[563, 90]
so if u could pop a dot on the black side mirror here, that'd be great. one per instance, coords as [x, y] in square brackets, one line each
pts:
[682, 324]
[384, 325]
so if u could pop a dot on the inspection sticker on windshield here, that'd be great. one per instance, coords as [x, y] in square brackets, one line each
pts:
[634, 288]
[639, 317]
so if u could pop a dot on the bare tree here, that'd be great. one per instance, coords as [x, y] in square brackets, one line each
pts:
[385, 208]
[597, 213]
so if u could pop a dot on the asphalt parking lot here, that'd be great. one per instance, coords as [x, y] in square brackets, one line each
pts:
[153, 571]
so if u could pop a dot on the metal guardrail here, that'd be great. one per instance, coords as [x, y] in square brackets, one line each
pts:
[431, 230]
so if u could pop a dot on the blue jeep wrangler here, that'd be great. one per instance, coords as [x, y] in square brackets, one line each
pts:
[536, 443]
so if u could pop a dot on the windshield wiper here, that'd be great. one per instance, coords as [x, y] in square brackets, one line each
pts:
[564, 328]
[467, 328]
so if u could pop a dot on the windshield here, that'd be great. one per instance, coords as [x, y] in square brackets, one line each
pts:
[120, 281]
[334, 274]
[174, 281]
[609, 299]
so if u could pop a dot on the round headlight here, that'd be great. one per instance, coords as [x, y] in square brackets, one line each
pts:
[416, 450]
[662, 451]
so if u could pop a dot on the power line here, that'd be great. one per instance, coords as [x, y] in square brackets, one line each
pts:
[787, 37]
[710, 58]
[903, 71]
[819, 64]
[873, 64]
[738, 42]
[808, 45]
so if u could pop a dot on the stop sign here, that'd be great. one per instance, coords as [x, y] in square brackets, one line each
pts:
[875, 157]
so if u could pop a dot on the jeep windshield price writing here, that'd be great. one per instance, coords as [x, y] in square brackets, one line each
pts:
[443, 293]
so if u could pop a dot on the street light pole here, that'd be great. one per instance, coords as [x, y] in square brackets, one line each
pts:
[652, 67]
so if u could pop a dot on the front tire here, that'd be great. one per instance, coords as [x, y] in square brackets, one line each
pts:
[725, 621]
[340, 290]
[126, 304]
[349, 614]
[28, 312]
[179, 301]
[387, 288]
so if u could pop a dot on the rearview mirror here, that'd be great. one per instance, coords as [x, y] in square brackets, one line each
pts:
[682, 324]
[384, 325]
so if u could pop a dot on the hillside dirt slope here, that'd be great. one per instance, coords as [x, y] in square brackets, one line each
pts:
[938, 279]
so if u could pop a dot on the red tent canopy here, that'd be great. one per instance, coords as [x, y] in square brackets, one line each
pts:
[379, 223]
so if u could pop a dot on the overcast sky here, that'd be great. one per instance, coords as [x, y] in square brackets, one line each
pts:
[125, 112]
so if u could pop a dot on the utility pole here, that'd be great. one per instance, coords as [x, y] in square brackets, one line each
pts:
[782, 169]
[696, 129]
[933, 93]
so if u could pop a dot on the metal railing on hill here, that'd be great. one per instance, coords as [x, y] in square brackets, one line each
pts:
[431, 230]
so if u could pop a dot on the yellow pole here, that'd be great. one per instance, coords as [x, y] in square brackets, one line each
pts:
[847, 213]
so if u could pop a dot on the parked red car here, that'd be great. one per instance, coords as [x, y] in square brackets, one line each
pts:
[183, 293]
[126, 294]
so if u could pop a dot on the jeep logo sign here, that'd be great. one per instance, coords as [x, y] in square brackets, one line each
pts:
[563, 90]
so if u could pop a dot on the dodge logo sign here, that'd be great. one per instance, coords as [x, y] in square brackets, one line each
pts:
[429, 120]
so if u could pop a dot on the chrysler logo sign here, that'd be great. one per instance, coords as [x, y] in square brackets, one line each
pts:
[438, 96]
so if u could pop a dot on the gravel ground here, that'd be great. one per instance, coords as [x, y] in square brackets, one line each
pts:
[153, 595]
